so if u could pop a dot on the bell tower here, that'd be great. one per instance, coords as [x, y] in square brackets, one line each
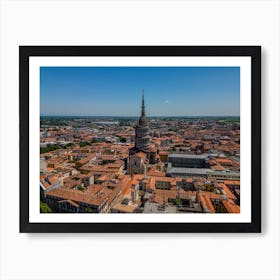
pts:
[142, 138]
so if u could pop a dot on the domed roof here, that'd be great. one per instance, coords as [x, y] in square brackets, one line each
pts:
[143, 120]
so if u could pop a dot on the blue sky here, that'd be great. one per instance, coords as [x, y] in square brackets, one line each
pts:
[116, 91]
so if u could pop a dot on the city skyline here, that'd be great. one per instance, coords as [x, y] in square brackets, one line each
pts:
[164, 166]
[116, 91]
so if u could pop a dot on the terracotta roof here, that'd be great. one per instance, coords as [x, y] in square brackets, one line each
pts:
[217, 167]
[223, 160]
[231, 206]
[77, 196]
[226, 190]
[141, 154]
[231, 182]
[70, 202]
[206, 202]
[124, 208]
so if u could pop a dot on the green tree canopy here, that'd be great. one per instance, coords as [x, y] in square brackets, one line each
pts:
[44, 208]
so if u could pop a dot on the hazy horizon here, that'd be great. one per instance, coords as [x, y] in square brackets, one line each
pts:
[123, 116]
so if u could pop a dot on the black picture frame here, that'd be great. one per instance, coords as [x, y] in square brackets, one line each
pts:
[254, 52]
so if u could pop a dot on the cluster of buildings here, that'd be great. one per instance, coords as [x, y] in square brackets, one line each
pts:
[159, 166]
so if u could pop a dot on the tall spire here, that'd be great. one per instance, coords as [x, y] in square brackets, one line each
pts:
[143, 105]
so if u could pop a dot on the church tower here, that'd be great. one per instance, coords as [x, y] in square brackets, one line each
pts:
[142, 154]
[139, 155]
[142, 138]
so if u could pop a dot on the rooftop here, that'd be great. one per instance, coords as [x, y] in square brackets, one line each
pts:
[204, 156]
[188, 170]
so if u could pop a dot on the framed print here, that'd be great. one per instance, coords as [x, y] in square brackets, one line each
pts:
[140, 138]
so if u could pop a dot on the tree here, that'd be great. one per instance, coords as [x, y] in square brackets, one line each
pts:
[69, 145]
[105, 161]
[80, 188]
[88, 210]
[83, 144]
[44, 208]
[178, 201]
[48, 149]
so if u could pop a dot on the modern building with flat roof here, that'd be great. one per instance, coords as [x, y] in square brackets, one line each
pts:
[185, 165]
[191, 161]
[186, 172]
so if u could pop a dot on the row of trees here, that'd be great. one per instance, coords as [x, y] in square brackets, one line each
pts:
[50, 148]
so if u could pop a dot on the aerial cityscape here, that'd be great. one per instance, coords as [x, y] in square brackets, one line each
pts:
[134, 162]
